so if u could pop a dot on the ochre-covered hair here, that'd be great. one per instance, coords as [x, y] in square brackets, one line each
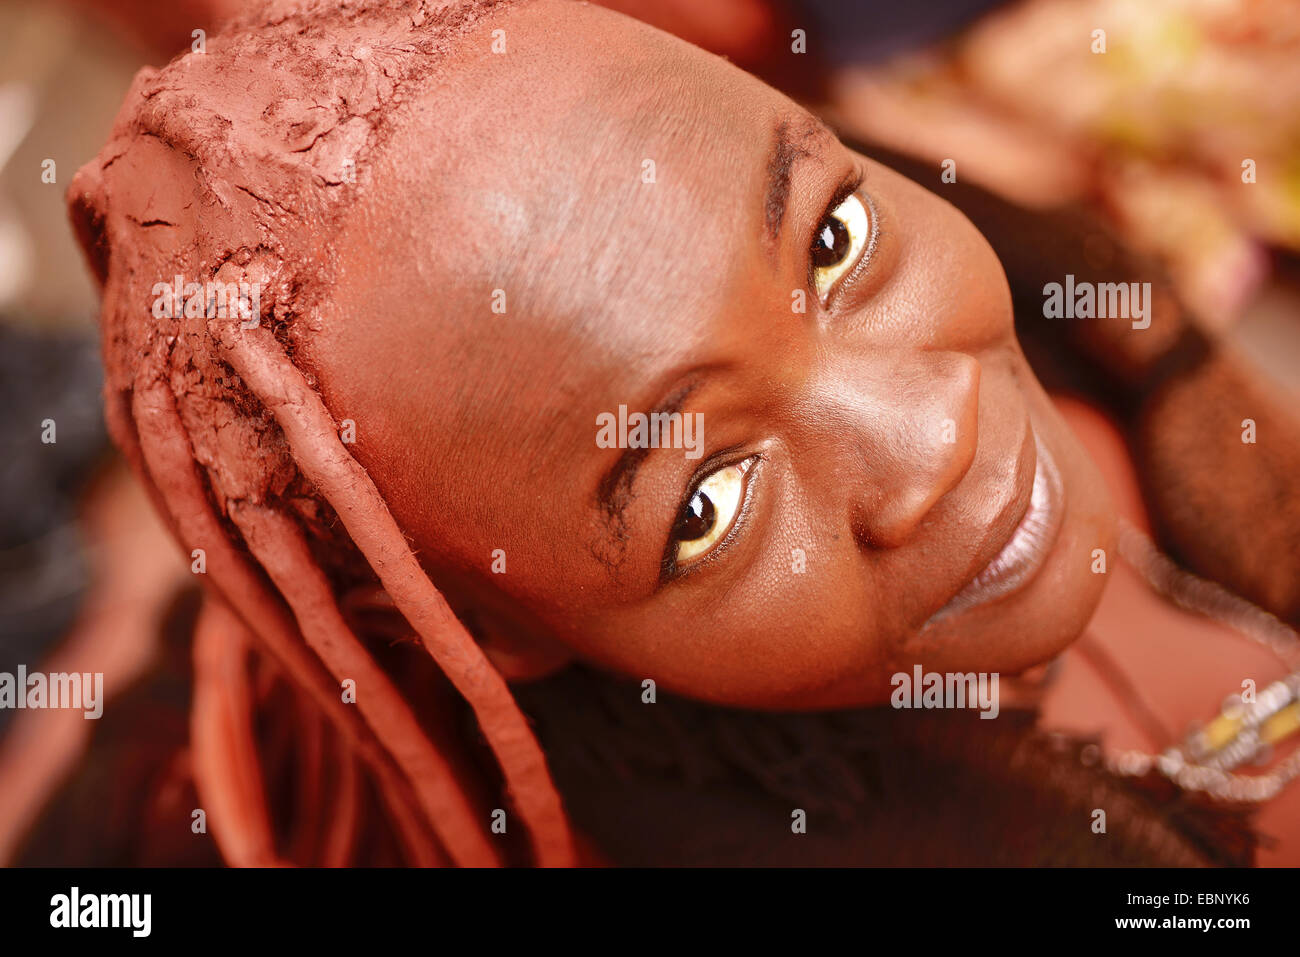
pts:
[236, 165]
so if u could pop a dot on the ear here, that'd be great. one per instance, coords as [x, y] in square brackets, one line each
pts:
[517, 656]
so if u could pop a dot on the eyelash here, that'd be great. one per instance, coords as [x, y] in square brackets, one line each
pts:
[850, 185]
[668, 567]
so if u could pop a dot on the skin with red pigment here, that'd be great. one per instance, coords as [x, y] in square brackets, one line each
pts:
[479, 427]
[476, 428]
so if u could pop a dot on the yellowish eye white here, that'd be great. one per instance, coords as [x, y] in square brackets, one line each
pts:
[711, 512]
[839, 242]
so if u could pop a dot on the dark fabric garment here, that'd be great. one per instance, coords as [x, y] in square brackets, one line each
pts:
[676, 782]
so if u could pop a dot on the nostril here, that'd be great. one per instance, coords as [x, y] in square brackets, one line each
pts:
[894, 523]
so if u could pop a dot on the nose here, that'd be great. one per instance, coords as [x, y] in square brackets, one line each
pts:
[909, 433]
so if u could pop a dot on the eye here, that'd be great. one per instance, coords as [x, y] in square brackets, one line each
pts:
[838, 242]
[708, 516]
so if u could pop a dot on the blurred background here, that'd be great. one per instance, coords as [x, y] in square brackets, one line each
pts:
[1150, 137]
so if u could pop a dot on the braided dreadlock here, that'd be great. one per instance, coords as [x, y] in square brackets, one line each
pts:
[236, 447]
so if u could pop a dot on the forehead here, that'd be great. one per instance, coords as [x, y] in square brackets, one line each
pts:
[602, 184]
[597, 171]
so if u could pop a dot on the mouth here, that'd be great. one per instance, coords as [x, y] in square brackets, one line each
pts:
[1024, 552]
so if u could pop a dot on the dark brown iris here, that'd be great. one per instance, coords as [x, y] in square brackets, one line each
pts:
[832, 243]
[696, 519]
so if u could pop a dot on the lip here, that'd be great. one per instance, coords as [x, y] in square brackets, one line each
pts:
[1022, 555]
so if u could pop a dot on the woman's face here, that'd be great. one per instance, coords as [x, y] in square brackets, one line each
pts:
[603, 217]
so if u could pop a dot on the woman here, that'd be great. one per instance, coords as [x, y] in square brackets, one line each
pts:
[477, 236]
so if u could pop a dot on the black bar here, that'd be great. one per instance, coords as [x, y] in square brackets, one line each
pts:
[474, 910]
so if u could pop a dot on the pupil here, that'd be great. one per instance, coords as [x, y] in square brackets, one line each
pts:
[832, 243]
[697, 519]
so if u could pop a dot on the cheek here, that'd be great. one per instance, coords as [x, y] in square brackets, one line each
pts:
[802, 625]
[950, 267]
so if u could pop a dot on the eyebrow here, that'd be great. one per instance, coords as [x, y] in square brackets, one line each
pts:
[787, 150]
[614, 493]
